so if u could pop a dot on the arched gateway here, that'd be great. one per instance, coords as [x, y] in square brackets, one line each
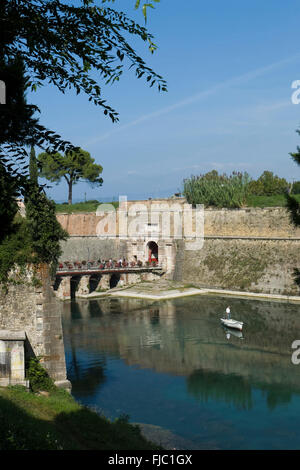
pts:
[152, 251]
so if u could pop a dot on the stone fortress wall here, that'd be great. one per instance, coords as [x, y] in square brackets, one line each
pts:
[249, 249]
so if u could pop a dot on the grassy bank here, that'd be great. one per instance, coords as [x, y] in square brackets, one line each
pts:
[57, 422]
[88, 206]
[269, 201]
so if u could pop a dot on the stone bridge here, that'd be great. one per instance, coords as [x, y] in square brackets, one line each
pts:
[71, 283]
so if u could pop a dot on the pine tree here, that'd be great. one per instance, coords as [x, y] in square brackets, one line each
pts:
[72, 166]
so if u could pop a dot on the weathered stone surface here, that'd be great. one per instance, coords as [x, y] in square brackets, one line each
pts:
[36, 312]
[249, 249]
[250, 222]
[267, 222]
[12, 358]
[79, 248]
[248, 265]
[12, 335]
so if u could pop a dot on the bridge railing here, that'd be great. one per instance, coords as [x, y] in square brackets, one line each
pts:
[92, 266]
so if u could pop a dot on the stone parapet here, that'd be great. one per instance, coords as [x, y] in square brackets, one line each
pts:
[267, 222]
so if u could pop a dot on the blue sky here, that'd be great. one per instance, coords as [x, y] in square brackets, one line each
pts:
[229, 67]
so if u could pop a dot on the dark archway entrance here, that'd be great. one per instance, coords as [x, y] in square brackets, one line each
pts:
[94, 282]
[57, 282]
[74, 285]
[152, 252]
[114, 280]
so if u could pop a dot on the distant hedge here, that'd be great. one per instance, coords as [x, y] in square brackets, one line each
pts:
[212, 189]
[268, 184]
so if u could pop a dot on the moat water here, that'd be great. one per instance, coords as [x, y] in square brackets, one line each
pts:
[171, 366]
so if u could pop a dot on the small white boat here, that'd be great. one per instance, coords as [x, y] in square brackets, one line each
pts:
[232, 332]
[230, 323]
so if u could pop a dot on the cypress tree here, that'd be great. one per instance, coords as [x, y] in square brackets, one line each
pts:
[292, 203]
[33, 169]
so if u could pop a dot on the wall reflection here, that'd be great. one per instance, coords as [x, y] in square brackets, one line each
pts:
[184, 337]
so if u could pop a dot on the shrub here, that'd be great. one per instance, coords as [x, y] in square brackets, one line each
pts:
[38, 377]
[45, 231]
[212, 189]
[268, 184]
[296, 188]
[15, 249]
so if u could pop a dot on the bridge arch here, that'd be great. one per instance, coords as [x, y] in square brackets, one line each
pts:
[57, 282]
[94, 282]
[114, 280]
[74, 283]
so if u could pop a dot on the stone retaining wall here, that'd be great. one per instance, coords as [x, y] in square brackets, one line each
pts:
[249, 249]
[33, 308]
[251, 265]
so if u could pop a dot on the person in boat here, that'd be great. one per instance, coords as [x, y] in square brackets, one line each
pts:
[228, 312]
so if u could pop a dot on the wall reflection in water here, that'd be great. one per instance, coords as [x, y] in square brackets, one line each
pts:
[183, 337]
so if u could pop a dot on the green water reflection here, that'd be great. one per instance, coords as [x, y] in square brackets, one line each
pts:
[163, 363]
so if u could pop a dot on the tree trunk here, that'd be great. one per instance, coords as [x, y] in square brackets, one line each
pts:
[70, 183]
